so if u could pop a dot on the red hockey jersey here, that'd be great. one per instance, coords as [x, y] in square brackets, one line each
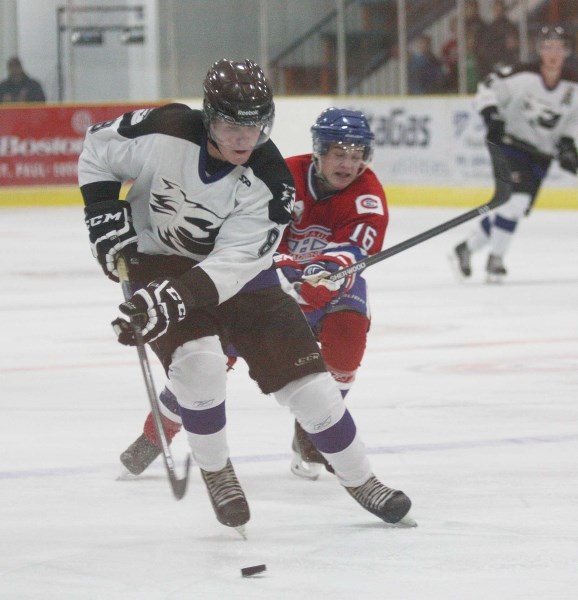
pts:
[349, 225]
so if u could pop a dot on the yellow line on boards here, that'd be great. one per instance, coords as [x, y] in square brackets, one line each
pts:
[396, 196]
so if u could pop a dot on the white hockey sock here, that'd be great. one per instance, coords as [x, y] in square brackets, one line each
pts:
[198, 378]
[317, 404]
[480, 237]
[351, 465]
[210, 452]
[506, 221]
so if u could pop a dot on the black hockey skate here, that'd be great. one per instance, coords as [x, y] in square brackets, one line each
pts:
[495, 269]
[461, 259]
[307, 460]
[227, 497]
[145, 449]
[389, 505]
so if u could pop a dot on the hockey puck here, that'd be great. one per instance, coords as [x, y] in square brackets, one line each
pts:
[255, 570]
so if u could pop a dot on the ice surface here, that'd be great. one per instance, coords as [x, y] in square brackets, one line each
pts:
[467, 400]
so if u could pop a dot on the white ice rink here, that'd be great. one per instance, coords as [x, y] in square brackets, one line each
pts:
[467, 400]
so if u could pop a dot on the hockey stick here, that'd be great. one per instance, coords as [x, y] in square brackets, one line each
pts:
[501, 194]
[179, 486]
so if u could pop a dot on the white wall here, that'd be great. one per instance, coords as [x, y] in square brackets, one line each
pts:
[112, 72]
[184, 37]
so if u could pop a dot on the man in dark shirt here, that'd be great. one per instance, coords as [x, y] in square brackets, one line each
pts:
[18, 87]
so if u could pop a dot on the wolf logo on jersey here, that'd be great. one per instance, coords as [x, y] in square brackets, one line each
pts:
[288, 197]
[200, 228]
[540, 113]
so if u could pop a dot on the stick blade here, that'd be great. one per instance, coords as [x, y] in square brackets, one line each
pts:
[179, 486]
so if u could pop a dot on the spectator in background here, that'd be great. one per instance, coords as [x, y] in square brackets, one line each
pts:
[475, 25]
[512, 54]
[492, 44]
[449, 56]
[18, 87]
[424, 68]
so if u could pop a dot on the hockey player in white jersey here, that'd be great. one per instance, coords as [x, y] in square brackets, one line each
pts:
[531, 111]
[210, 198]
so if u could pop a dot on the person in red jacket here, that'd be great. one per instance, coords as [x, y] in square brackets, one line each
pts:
[340, 217]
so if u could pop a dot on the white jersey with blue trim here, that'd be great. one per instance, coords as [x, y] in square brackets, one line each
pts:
[533, 112]
[184, 202]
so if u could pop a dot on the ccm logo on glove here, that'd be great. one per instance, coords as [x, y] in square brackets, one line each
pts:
[154, 308]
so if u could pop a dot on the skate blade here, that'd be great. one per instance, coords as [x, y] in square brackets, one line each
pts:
[407, 522]
[305, 470]
[126, 475]
[493, 279]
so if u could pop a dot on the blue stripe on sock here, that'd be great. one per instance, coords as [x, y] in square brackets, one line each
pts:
[337, 437]
[505, 224]
[204, 422]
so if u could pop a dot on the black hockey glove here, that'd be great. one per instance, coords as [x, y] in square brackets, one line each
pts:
[567, 156]
[494, 124]
[110, 230]
[155, 308]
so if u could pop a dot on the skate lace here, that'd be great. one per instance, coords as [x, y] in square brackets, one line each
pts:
[223, 485]
[372, 493]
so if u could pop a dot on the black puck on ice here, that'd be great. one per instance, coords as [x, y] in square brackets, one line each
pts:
[255, 570]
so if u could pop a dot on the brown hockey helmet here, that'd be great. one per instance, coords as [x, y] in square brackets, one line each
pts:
[239, 92]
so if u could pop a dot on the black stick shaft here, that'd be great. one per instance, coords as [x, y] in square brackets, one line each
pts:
[501, 194]
[178, 486]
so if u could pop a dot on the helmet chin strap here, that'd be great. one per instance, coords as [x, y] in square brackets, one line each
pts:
[213, 143]
[326, 188]
[323, 187]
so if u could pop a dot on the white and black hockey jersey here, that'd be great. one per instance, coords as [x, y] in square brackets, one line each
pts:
[186, 203]
[531, 111]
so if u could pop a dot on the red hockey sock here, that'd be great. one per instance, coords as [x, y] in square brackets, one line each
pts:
[343, 338]
[171, 429]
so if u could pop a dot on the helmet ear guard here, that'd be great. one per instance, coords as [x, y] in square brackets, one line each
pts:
[239, 93]
[347, 128]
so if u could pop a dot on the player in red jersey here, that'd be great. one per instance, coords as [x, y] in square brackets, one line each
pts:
[340, 217]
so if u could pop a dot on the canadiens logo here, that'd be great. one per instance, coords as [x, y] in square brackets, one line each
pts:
[309, 242]
[369, 204]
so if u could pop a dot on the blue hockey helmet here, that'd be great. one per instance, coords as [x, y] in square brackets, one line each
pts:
[348, 128]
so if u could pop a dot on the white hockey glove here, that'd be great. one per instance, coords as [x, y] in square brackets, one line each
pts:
[110, 230]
